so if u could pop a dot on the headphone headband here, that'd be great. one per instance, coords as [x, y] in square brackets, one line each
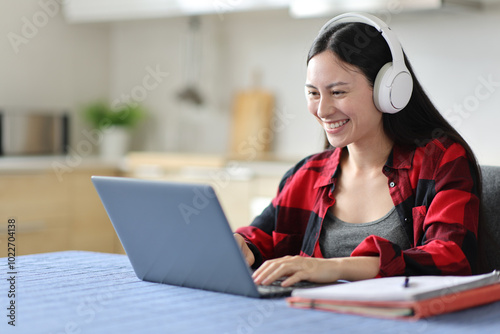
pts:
[389, 36]
[395, 81]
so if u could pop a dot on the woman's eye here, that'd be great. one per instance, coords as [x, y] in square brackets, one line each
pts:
[337, 93]
[311, 93]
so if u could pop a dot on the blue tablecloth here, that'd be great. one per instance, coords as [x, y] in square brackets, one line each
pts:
[85, 292]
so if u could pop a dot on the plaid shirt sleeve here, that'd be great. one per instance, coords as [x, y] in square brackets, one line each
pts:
[437, 197]
[433, 187]
[290, 224]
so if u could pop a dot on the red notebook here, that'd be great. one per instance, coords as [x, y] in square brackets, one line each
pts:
[422, 296]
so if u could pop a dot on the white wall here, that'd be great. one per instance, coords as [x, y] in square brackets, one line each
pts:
[456, 55]
[451, 51]
[46, 63]
[234, 47]
[453, 54]
[276, 45]
[160, 45]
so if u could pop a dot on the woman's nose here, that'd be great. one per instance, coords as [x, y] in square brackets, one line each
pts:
[325, 108]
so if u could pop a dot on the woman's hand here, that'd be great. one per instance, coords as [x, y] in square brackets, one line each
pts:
[317, 270]
[247, 253]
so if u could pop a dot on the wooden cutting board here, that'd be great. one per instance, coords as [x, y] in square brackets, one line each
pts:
[252, 133]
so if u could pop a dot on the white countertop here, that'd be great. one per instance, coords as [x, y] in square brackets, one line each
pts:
[239, 169]
[42, 163]
[157, 165]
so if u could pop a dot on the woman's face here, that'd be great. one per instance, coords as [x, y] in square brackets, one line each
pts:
[341, 99]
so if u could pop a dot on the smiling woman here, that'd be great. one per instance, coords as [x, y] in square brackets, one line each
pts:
[341, 99]
[394, 169]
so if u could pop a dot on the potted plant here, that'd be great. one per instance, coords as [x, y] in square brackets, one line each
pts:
[113, 125]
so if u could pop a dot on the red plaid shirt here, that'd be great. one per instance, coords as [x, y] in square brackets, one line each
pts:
[433, 188]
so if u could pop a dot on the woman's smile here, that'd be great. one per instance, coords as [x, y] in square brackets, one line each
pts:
[334, 127]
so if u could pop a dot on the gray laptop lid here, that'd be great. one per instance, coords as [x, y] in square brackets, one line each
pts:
[176, 234]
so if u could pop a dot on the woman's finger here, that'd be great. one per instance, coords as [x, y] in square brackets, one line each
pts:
[293, 279]
[275, 269]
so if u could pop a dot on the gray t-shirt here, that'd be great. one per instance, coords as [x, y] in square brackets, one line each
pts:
[338, 238]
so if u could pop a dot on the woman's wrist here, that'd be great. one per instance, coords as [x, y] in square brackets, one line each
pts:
[357, 268]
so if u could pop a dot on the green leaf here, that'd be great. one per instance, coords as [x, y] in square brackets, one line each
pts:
[101, 116]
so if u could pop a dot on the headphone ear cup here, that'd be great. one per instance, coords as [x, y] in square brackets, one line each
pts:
[392, 92]
[382, 90]
[402, 87]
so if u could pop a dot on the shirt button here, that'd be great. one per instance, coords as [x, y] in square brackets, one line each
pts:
[392, 184]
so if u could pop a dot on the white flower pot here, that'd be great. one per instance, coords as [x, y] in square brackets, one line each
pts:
[114, 144]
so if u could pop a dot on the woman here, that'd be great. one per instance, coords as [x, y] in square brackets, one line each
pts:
[396, 194]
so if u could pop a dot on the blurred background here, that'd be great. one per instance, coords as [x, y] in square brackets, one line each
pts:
[209, 91]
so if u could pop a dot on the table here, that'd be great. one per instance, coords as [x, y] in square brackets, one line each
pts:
[86, 292]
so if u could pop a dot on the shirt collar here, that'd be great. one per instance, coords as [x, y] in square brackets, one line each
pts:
[330, 169]
[401, 157]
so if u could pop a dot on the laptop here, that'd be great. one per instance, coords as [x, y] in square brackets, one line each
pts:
[177, 234]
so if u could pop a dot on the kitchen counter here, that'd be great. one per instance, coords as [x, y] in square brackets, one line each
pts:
[28, 164]
[157, 165]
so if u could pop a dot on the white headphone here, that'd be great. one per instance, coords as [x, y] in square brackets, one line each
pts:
[393, 85]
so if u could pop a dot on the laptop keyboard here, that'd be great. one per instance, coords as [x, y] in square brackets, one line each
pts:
[276, 290]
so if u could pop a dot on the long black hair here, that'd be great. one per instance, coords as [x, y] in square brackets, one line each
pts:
[362, 46]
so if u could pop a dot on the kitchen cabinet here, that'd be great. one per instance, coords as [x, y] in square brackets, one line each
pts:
[53, 213]
[40, 208]
[91, 229]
